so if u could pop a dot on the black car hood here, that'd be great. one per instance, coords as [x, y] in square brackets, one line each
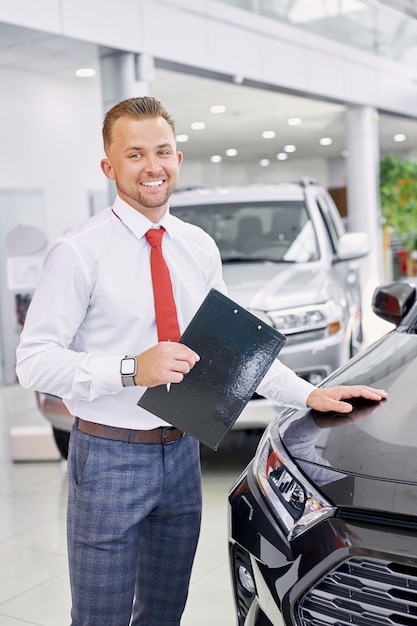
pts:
[371, 453]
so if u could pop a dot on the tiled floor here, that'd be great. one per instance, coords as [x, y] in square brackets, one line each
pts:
[33, 566]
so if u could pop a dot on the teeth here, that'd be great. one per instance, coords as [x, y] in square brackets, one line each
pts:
[152, 183]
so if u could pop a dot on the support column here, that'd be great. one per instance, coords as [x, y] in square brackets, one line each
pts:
[125, 75]
[364, 212]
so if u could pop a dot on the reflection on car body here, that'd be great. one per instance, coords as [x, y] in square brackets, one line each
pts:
[323, 521]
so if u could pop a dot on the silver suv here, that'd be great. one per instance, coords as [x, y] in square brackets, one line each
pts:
[288, 259]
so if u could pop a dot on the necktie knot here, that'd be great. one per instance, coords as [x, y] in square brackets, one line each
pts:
[154, 237]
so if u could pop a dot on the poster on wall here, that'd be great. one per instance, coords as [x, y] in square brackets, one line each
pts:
[23, 272]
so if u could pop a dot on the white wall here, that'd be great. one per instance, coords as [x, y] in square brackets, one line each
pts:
[51, 140]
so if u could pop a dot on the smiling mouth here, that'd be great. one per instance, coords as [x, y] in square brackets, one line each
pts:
[152, 183]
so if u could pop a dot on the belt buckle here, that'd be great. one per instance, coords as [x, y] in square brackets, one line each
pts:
[164, 436]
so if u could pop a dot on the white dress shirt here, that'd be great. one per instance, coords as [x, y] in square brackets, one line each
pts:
[94, 305]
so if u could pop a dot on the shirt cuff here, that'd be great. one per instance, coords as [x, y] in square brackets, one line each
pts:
[97, 376]
[282, 385]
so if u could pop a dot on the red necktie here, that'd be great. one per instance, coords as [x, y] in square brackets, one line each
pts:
[165, 309]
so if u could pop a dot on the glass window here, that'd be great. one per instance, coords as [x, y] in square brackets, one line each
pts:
[257, 231]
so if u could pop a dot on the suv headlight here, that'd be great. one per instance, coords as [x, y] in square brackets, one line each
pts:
[308, 318]
[295, 503]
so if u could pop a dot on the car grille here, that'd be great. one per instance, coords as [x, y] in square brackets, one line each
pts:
[362, 591]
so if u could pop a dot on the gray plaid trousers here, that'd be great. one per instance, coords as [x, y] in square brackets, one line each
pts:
[134, 513]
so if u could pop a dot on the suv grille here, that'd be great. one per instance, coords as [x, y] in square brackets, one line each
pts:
[362, 591]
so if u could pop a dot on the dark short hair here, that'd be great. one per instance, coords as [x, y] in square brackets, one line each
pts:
[137, 109]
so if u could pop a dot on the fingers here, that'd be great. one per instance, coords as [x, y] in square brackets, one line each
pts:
[166, 362]
[328, 400]
[360, 391]
[333, 398]
[179, 357]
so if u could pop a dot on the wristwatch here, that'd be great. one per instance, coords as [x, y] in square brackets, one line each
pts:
[128, 369]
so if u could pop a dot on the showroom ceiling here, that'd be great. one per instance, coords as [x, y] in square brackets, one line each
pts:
[249, 111]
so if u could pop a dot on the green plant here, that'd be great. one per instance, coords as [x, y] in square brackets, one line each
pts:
[398, 195]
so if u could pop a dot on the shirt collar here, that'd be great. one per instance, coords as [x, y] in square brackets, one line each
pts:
[137, 223]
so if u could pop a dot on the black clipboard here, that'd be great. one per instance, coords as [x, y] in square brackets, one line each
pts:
[236, 349]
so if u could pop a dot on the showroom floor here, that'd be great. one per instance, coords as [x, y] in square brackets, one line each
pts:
[34, 586]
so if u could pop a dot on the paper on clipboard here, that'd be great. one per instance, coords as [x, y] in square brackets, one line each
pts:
[236, 349]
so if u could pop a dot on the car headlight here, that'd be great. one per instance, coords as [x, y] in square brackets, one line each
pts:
[295, 503]
[308, 318]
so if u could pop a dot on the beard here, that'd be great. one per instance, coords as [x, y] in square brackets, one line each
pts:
[145, 200]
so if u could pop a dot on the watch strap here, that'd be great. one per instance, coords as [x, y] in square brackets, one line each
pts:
[129, 378]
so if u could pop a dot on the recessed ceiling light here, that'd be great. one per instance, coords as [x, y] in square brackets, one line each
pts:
[182, 138]
[198, 125]
[268, 134]
[344, 154]
[326, 141]
[218, 108]
[216, 158]
[231, 152]
[264, 162]
[400, 137]
[290, 148]
[294, 121]
[85, 72]
[282, 156]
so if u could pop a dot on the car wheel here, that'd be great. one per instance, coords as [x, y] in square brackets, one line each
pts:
[62, 441]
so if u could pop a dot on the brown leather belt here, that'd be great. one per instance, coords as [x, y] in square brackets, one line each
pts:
[164, 435]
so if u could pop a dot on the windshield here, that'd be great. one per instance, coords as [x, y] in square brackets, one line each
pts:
[256, 231]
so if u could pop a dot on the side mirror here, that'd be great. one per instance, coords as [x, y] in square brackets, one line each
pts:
[352, 246]
[393, 301]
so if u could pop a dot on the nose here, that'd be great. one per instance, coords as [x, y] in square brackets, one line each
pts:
[152, 163]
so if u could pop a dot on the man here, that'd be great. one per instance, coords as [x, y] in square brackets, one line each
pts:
[134, 484]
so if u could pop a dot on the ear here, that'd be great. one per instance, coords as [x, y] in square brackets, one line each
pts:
[180, 157]
[107, 168]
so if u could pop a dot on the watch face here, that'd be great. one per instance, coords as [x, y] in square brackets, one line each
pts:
[128, 367]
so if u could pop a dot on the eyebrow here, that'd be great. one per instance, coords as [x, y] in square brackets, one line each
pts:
[139, 148]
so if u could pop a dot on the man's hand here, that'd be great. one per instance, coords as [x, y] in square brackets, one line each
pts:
[331, 399]
[166, 362]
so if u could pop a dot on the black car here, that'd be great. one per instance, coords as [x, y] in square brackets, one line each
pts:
[323, 521]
